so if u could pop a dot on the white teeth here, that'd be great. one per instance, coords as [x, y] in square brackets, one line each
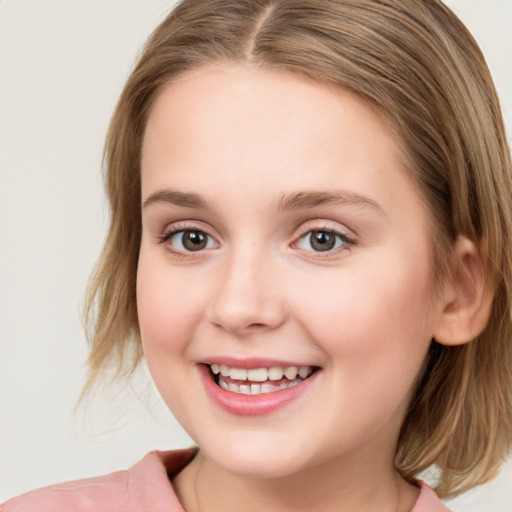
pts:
[268, 388]
[257, 381]
[291, 372]
[304, 371]
[275, 373]
[245, 389]
[258, 375]
[238, 373]
[255, 389]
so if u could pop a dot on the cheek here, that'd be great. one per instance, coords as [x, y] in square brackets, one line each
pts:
[372, 321]
[169, 306]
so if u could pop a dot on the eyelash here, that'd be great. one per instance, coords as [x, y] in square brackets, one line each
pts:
[175, 230]
[346, 241]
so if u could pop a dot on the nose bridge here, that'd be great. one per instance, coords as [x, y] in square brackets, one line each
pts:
[246, 296]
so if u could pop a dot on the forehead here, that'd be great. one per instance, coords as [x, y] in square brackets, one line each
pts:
[231, 127]
[262, 101]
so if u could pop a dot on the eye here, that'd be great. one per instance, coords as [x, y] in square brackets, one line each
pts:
[189, 240]
[322, 240]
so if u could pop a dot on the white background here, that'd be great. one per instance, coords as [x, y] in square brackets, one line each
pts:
[62, 67]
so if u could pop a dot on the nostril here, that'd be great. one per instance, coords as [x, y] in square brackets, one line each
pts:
[252, 327]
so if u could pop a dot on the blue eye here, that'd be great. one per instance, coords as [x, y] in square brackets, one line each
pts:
[189, 240]
[322, 240]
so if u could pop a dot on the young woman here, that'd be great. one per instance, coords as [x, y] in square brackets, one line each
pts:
[309, 244]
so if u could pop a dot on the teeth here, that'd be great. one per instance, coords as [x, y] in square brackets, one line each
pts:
[257, 389]
[268, 388]
[257, 381]
[238, 373]
[258, 375]
[304, 372]
[245, 389]
[291, 373]
[274, 373]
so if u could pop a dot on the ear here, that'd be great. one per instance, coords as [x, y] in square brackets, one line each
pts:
[467, 297]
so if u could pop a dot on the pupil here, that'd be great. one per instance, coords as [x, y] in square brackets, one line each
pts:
[322, 241]
[194, 240]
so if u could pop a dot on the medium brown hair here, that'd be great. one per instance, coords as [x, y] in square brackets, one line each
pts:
[420, 66]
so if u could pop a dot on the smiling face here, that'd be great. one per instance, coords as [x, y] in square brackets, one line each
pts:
[280, 234]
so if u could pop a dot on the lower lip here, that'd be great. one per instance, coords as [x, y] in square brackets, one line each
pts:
[252, 405]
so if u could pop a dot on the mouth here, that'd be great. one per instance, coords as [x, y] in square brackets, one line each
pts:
[259, 381]
[256, 387]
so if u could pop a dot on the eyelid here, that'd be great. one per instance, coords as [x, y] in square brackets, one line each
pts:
[325, 225]
[171, 228]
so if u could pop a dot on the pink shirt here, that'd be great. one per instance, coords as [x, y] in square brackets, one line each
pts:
[145, 487]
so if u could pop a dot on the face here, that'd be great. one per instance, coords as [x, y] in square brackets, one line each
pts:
[284, 284]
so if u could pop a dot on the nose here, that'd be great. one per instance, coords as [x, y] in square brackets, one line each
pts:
[247, 298]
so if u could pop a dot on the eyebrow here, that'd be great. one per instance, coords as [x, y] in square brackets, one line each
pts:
[294, 201]
[304, 200]
[186, 199]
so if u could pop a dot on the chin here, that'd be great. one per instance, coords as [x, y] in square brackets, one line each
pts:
[263, 459]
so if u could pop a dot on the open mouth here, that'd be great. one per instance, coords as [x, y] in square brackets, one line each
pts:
[258, 381]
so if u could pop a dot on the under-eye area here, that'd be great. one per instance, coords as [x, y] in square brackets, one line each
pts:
[258, 381]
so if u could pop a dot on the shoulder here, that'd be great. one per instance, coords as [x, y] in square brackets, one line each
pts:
[109, 491]
[428, 500]
[143, 487]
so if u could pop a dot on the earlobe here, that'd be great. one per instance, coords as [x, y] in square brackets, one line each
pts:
[467, 298]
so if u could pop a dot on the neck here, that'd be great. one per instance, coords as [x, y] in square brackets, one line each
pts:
[362, 486]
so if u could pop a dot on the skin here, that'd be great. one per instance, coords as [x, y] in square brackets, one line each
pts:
[242, 138]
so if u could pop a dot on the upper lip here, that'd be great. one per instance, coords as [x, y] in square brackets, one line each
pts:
[251, 363]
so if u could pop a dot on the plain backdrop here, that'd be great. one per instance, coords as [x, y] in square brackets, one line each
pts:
[62, 67]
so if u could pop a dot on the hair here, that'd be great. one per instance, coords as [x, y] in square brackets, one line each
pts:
[418, 64]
